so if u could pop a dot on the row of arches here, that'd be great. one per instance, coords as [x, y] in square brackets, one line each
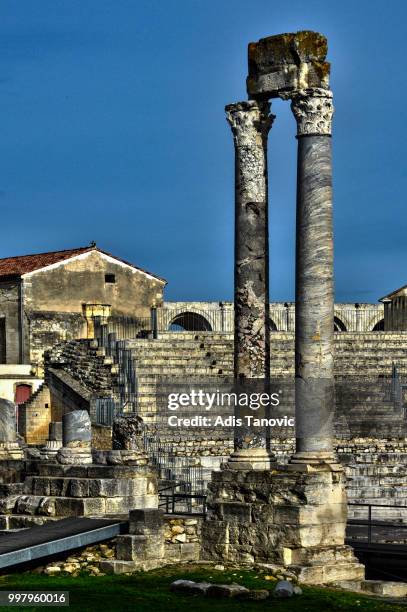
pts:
[193, 321]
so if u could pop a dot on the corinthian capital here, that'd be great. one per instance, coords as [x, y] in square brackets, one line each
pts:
[250, 122]
[313, 110]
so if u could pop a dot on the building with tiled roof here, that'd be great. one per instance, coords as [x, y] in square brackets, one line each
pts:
[49, 297]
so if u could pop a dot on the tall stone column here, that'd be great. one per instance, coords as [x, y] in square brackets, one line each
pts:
[250, 122]
[314, 311]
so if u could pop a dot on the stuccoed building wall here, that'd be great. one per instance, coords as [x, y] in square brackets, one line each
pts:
[55, 298]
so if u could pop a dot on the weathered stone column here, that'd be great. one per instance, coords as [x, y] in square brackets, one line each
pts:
[77, 437]
[314, 310]
[127, 442]
[250, 122]
[9, 447]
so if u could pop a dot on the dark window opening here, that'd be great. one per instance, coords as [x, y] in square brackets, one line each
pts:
[110, 278]
[379, 326]
[3, 353]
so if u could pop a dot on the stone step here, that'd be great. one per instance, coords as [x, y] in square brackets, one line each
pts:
[377, 587]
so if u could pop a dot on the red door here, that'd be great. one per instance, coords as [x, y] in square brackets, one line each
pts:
[23, 392]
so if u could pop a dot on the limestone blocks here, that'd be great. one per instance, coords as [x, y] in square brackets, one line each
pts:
[286, 63]
[76, 436]
[143, 548]
[291, 518]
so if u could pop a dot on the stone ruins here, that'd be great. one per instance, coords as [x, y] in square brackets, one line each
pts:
[294, 513]
[87, 442]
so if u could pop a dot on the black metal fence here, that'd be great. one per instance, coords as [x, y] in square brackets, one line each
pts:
[182, 486]
[125, 392]
[105, 410]
[389, 524]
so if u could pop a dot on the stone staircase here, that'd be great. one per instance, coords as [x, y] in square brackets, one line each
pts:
[34, 416]
[376, 475]
[178, 358]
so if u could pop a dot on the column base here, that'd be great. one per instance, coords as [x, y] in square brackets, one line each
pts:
[74, 456]
[314, 460]
[250, 459]
[50, 450]
[10, 450]
[126, 457]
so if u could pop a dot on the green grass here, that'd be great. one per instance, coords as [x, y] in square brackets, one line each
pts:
[150, 592]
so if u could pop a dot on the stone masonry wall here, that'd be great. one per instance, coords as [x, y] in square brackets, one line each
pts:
[35, 416]
[10, 311]
[47, 329]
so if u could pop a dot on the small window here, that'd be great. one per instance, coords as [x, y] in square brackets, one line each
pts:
[110, 278]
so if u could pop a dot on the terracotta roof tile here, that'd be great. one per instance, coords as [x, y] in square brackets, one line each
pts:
[22, 264]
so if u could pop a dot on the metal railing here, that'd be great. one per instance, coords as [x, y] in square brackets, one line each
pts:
[183, 503]
[370, 524]
[125, 328]
[182, 480]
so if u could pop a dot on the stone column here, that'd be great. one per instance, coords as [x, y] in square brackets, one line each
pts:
[314, 306]
[76, 437]
[250, 122]
[9, 447]
[54, 442]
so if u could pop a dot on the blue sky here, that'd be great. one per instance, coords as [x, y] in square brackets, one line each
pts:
[113, 130]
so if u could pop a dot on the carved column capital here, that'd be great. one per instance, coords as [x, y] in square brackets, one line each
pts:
[313, 110]
[250, 122]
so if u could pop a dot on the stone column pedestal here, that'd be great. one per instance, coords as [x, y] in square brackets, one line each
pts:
[9, 447]
[77, 437]
[54, 442]
[289, 518]
[250, 459]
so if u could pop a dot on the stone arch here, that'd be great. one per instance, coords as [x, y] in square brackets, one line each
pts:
[379, 326]
[339, 325]
[189, 321]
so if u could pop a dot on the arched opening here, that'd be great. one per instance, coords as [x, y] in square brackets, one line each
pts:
[189, 321]
[379, 326]
[22, 393]
[339, 326]
[272, 325]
